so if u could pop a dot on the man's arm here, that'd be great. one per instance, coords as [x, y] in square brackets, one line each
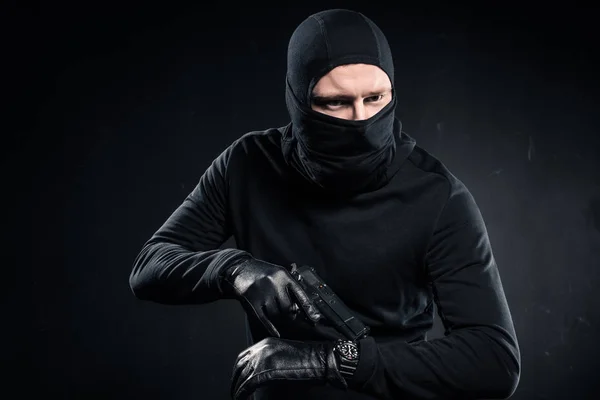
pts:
[182, 263]
[479, 356]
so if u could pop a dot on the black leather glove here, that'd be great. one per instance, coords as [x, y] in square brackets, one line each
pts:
[274, 359]
[269, 292]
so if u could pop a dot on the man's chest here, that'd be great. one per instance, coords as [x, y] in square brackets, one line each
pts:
[374, 241]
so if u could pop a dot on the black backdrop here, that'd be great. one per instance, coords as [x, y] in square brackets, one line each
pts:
[114, 111]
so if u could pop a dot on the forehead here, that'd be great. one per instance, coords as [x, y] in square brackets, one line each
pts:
[353, 78]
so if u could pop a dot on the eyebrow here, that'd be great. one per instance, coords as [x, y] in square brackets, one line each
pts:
[329, 97]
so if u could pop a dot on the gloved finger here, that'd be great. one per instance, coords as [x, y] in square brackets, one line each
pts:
[262, 317]
[239, 391]
[259, 313]
[303, 301]
[240, 374]
[294, 309]
[247, 383]
[238, 370]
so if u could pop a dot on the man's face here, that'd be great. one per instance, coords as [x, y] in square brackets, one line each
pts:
[354, 92]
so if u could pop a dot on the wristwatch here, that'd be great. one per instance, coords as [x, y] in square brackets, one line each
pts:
[346, 352]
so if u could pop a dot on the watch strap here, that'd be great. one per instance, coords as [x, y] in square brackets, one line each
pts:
[346, 366]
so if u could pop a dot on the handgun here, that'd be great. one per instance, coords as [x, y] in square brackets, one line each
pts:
[329, 304]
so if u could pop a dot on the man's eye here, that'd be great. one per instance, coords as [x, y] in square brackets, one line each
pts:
[374, 99]
[334, 103]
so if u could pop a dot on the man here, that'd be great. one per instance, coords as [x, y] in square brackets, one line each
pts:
[385, 224]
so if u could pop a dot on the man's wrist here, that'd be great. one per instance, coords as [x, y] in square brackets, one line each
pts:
[347, 355]
[228, 275]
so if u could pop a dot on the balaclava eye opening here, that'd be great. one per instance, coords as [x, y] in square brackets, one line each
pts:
[332, 153]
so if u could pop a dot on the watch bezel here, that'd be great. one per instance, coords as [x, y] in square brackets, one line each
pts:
[348, 350]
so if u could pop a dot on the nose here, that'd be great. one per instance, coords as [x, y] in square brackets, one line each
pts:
[359, 111]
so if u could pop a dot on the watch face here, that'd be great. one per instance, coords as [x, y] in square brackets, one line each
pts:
[348, 350]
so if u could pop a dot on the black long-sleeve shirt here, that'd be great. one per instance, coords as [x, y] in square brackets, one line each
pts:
[389, 254]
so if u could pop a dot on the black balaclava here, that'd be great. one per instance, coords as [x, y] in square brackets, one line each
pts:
[336, 154]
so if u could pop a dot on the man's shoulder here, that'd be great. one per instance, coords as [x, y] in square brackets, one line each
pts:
[428, 164]
[456, 192]
[255, 149]
[260, 137]
[257, 141]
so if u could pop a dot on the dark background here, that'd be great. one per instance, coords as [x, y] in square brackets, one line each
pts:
[114, 110]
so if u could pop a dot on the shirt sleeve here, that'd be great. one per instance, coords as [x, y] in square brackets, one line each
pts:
[479, 356]
[182, 263]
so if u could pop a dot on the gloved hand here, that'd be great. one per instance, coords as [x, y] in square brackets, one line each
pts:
[274, 359]
[269, 292]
